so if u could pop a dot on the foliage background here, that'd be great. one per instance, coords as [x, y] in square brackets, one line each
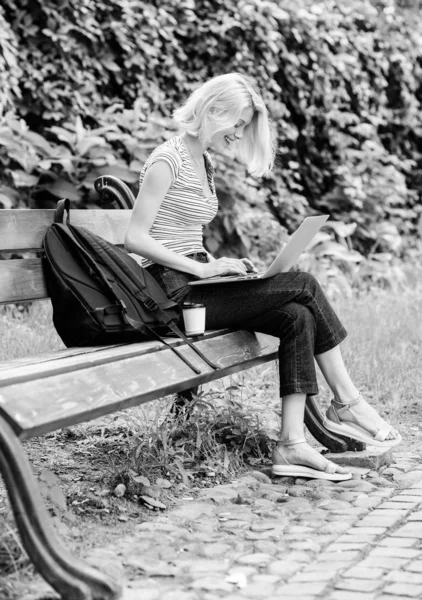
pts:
[87, 87]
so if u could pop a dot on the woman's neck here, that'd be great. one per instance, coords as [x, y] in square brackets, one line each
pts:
[195, 147]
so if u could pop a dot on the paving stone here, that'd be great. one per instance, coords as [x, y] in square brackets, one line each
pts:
[395, 505]
[398, 542]
[411, 530]
[333, 504]
[257, 590]
[320, 495]
[254, 559]
[407, 479]
[384, 562]
[246, 570]
[174, 594]
[358, 485]
[215, 550]
[408, 498]
[299, 556]
[349, 496]
[392, 597]
[358, 537]
[348, 595]
[131, 593]
[334, 527]
[199, 566]
[371, 458]
[383, 493]
[357, 585]
[404, 577]
[366, 530]
[367, 502]
[327, 566]
[309, 576]
[210, 583]
[284, 568]
[416, 516]
[265, 578]
[416, 501]
[298, 491]
[343, 547]
[299, 529]
[383, 512]
[364, 573]
[382, 481]
[314, 588]
[415, 566]
[404, 589]
[348, 555]
[378, 521]
[272, 548]
[309, 545]
[399, 552]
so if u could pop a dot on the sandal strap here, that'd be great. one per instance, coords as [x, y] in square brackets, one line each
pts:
[331, 467]
[349, 404]
[383, 431]
[293, 442]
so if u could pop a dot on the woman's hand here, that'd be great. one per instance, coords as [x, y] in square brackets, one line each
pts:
[225, 266]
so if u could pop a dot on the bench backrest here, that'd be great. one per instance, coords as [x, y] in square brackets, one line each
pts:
[21, 234]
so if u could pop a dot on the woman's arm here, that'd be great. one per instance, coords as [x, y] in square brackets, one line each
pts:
[156, 183]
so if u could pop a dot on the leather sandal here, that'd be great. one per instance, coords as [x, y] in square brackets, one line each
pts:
[284, 468]
[333, 422]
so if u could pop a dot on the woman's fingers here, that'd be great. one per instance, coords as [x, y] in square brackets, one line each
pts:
[249, 264]
[233, 265]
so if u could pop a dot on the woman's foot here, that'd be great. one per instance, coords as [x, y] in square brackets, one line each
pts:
[358, 420]
[297, 459]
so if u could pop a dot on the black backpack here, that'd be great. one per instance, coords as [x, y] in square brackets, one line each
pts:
[101, 295]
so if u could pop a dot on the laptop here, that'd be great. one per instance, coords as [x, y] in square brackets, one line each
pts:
[285, 259]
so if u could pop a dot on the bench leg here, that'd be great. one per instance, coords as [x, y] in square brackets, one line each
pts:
[334, 443]
[183, 402]
[69, 576]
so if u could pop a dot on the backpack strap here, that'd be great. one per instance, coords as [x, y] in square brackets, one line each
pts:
[135, 288]
[62, 205]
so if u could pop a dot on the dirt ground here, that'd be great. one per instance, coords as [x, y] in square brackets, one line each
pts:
[81, 469]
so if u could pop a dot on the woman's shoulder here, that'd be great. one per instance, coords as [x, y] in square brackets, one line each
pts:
[168, 152]
[171, 147]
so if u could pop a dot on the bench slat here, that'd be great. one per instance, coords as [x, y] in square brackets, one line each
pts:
[43, 405]
[72, 359]
[22, 280]
[24, 229]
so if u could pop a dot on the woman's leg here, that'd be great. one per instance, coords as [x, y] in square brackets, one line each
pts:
[345, 393]
[287, 449]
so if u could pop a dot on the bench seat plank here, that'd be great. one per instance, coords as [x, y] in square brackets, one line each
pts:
[69, 359]
[24, 229]
[42, 405]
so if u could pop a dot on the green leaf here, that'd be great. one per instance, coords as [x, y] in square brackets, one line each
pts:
[62, 189]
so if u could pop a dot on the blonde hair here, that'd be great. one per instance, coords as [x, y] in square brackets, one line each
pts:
[217, 105]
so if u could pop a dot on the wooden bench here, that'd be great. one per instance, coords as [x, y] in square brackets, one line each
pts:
[44, 393]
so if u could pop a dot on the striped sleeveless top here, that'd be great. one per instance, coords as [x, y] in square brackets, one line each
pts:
[185, 209]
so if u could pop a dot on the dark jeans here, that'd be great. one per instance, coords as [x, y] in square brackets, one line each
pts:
[290, 306]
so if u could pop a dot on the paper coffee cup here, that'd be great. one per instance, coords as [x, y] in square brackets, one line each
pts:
[193, 318]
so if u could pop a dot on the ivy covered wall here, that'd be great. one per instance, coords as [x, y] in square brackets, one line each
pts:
[87, 87]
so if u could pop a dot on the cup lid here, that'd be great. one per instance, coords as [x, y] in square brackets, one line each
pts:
[192, 305]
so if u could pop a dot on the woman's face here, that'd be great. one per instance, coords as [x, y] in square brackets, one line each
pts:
[228, 137]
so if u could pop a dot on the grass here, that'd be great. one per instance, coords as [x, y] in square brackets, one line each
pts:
[233, 419]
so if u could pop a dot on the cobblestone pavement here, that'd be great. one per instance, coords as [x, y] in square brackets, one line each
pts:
[354, 540]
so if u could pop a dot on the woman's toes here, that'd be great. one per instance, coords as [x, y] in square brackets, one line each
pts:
[342, 470]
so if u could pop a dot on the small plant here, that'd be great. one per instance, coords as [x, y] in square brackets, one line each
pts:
[206, 438]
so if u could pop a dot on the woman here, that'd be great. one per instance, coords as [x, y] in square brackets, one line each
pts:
[176, 198]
